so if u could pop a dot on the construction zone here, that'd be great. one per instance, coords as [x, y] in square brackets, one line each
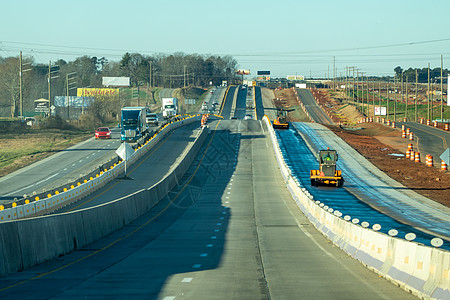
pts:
[281, 121]
[327, 173]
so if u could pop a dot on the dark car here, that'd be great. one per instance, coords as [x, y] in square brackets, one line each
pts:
[103, 133]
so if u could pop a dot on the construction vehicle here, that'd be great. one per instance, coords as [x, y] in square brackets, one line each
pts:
[281, 121]
[327, 173]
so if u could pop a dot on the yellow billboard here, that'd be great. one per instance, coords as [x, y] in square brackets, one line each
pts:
[93, 92]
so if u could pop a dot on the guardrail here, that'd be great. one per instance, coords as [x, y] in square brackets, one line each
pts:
[420, 269]
[22, 241]
[37, 205]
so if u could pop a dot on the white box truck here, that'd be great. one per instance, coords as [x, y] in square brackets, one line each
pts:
[169, 107]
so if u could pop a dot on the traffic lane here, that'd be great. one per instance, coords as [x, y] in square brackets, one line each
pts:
[240, 110]
[316, 112]
[259, 107]
[138, 259]
[146, 172]
[431, 140]
[267, 101]
[59, 168]
[227, 104]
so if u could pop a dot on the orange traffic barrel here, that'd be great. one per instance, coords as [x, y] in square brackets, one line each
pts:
[404, 119]
[408, 131]
[393, 124]
[408, 153]
[435, 124]
[428, 122]
[388, 122]
[403, 134]
[429, 160]
[411, 136]
[412, 155]
[416, 156]
[421, 120]
[446, 127]
[403, 126]
[383, 120]
[443, 166]
[410, 146]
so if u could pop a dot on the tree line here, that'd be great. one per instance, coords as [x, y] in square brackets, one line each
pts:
[409, 75]
[162, 70]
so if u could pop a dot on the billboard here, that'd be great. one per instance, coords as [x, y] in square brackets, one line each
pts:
[263, 73]
[92, 92]
[263, 78]
[42, 105]
[116, 81]
[243, 72]
[380, 110]
[61, 101]
[295, 77]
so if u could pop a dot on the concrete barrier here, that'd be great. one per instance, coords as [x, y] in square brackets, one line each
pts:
[76, 192]
[423, 270]
[27, 242]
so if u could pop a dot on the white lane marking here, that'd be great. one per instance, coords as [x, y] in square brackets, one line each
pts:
[98, 150]
[39, 182]
[214, 237]
[196, 266]
[209, 245]
[219, 224]
[80, 160]
[169, 298]
[73, 165]
[216, 230]
[221, 218]
[187, 279]
[65, 169]
[224, 213]
[204, 255]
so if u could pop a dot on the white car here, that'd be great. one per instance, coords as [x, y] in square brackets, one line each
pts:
[248, 117]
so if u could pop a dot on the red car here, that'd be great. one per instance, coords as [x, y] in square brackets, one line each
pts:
[103, 133]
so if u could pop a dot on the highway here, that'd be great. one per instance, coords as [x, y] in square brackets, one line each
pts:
[229, 230]
[60, 168]
[368, 194]
[429, 140]
[317, 114]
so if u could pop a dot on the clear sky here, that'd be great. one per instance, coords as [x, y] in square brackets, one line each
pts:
[286, 37]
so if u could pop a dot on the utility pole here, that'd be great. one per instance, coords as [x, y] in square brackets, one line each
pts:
[401, 88]
[20, 85]
[442, 92]
[415, 98]
[67, 87]
[428, 93]
[151, 82]
[387, 99]
[184, 75]
[406, 101]
[395, 101]
[334, 73]
[48, 80]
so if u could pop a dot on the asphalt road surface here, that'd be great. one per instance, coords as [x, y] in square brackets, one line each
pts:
[229, 231]
[315, 111]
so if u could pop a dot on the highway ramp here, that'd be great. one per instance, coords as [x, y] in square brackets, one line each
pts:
[229, 230]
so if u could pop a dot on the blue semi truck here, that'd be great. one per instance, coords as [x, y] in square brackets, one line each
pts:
[133, 124]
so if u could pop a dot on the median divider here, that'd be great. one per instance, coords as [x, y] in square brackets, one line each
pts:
[422, 270]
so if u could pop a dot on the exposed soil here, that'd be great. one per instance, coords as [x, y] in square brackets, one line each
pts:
[376, 142]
